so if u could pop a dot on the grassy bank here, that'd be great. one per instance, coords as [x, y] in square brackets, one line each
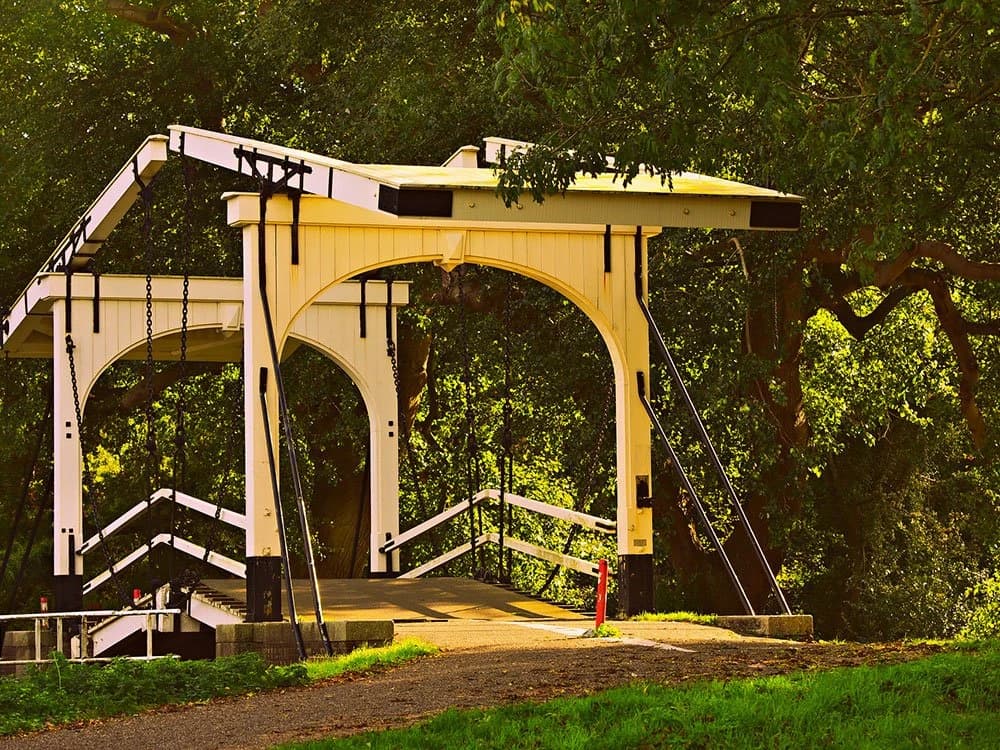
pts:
[950, 700]
[697, 619]
[65, 692]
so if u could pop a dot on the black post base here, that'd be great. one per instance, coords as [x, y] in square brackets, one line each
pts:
[635, 584]
[67, 593]
[263, 589]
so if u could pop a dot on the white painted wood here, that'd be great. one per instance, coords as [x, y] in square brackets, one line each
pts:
[440, 560]
[534, 550]
[594, 523]
[226, 516]
[215, 334]
[215, 559]
[497, 148]
[556, 558]
[466, 157]
[337, 243]
[444, 516]
[204, 611]
[689, 200]
[84, 240]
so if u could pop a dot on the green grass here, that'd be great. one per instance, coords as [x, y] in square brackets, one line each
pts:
[65, 692]
[367, 659]
[950, 700]
[677, 617]
[605, 630]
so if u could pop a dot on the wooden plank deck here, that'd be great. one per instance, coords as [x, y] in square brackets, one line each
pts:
[409, 600]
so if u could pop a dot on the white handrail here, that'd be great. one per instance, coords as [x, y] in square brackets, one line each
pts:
[188, 501]
[586, 520]
[181, 545]
[556, 558]
[83, 615]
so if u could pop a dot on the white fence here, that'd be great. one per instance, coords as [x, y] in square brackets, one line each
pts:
[41, 618]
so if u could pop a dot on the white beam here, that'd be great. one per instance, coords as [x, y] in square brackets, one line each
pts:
[586, 520]
[556, 558]
[84, 240]
[534, 550]
[311, 173]
[216, 559]
[440, 560]
[595, 523]
[444, 196]
[201, 506]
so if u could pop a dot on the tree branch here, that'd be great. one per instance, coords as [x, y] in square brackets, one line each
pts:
[154, 19]
[858, 326]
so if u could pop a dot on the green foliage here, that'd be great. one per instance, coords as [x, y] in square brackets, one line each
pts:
[983, 621]
[66, 691]
[948, 700]
[367, 659]
[604, 630]
[883, 116]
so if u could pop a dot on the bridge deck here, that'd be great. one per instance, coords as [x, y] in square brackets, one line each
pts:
[409, 600]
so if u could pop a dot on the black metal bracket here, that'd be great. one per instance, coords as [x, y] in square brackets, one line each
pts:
[69, 299]
[638, 262]
[363, 309]
[607, 248]
[296, 197]
[97, 303]
[643, 499]
[388, 310]
[286, 169]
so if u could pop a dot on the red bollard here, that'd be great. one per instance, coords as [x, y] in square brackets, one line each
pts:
[602, 592]
[43, 606]
[136, 596]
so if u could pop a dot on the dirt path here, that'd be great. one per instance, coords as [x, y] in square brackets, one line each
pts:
[515, 663]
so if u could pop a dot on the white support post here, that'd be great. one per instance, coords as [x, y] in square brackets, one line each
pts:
[263, 548]
[384, 469]
[634, 439]
[67, 485]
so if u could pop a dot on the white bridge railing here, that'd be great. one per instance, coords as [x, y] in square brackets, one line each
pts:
[586, 520]
[180, 544]
[166, 495]
[83, 648]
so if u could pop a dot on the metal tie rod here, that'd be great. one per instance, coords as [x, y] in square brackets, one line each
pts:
[279, 513]
[689, 488]
[706, 441]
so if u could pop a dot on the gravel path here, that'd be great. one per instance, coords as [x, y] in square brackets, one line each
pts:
[514, 664]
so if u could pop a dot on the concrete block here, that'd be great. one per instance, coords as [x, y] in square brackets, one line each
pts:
[275, 641]
[770, 626]
[369, 631]
[237, 632]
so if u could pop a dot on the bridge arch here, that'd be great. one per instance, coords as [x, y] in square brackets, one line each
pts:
[327, 242]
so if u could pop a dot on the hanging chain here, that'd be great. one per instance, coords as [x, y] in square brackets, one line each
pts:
[506, 453]
[152, 468]
[188, 577]
[591, 475]
[87, 475]
[404, 429]
[472, 449]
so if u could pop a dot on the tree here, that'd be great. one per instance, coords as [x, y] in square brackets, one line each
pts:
[882, 113]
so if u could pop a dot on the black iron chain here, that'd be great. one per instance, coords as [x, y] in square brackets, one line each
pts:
[188, 577]
[506, 452]
[123, 596]
[404, 429]
[152, 465]
[472, 471]
[591, 475]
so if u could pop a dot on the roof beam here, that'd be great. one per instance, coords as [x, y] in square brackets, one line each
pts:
[84, 240]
